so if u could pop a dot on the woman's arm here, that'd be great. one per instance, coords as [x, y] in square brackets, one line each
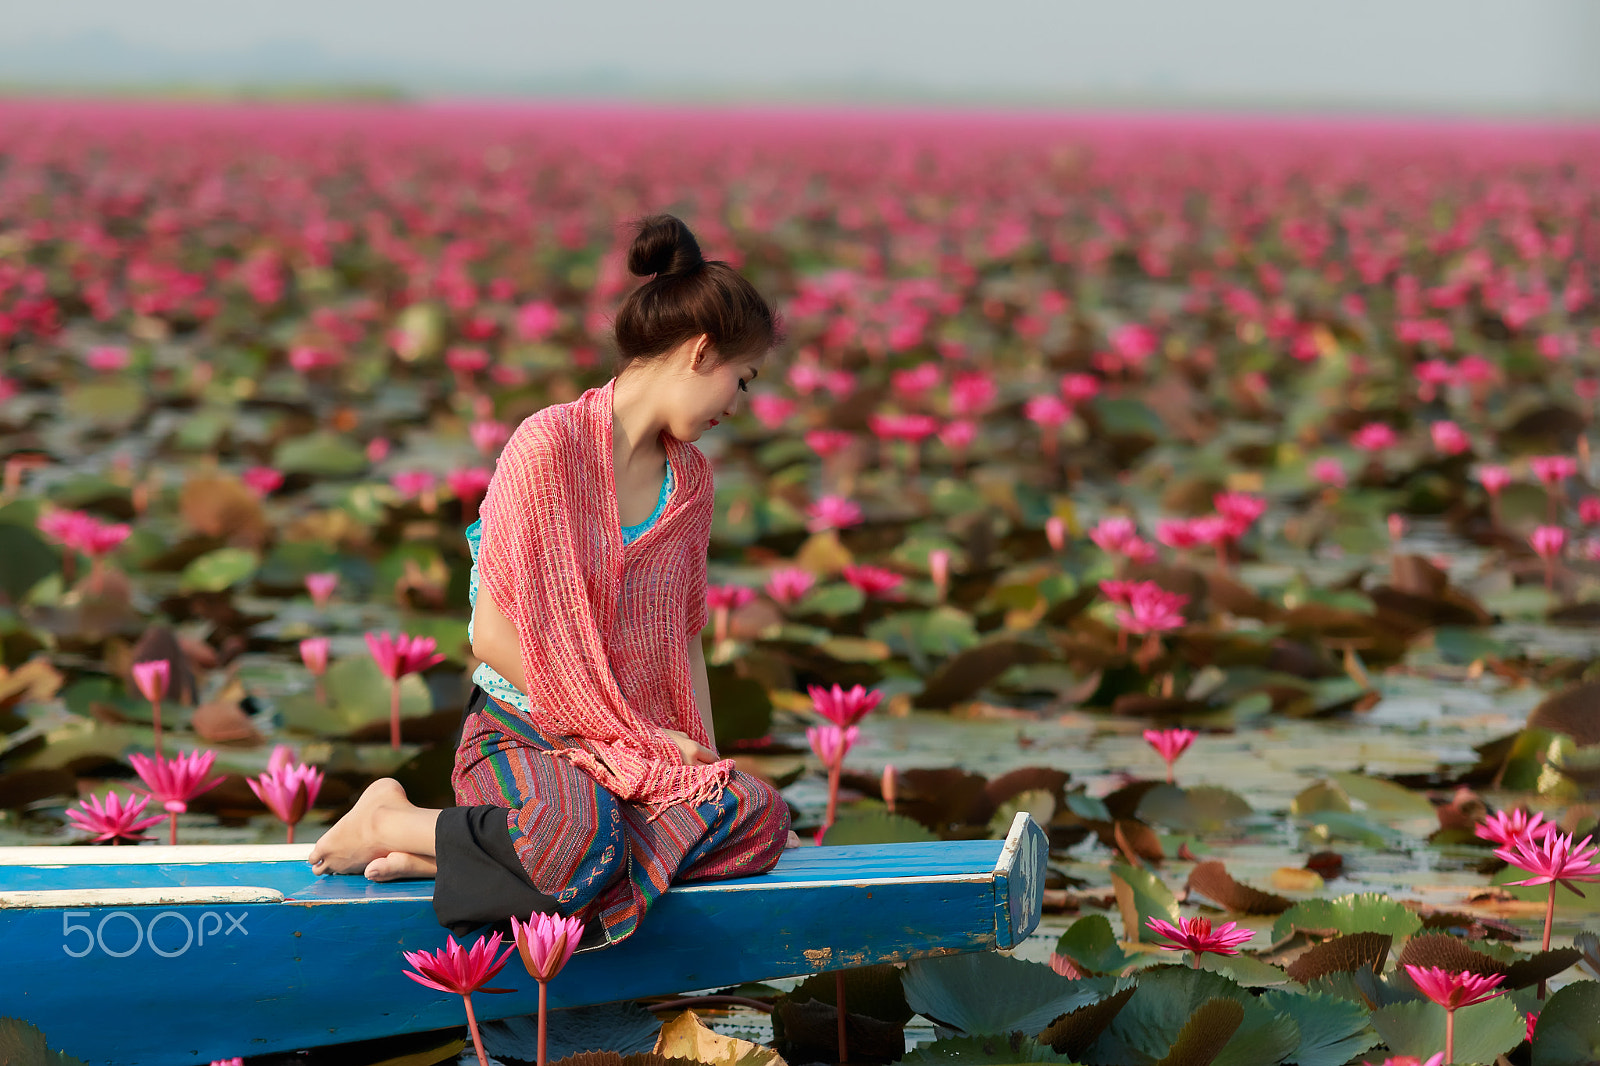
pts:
[495, 641]
[702, 685]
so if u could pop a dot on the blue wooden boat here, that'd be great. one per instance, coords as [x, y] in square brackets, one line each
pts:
[168, 956]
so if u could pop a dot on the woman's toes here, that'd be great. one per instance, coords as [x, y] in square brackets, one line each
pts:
[398, 865]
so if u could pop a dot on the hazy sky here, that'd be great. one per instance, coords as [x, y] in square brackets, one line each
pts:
[1468, 54]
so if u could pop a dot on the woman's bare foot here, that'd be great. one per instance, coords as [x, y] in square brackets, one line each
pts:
[400, 866]
[793, 841]
[353, 842]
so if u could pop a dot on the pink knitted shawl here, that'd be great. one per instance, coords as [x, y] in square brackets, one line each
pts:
[604, 627]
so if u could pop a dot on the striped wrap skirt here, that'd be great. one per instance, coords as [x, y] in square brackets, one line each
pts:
[596, 856]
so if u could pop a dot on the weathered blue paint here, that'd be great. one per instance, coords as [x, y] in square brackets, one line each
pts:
[189, 957]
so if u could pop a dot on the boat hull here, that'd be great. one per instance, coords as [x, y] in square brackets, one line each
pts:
[170, 956]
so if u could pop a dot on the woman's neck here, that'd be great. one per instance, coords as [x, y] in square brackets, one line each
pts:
[635, 425]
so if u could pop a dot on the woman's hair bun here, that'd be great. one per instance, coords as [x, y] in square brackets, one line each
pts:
[662, 245]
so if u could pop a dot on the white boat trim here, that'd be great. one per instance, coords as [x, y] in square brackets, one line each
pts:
[48, 857]
[753, 884]
[61, 898]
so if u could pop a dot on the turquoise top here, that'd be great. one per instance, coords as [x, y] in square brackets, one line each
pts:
[485, 676]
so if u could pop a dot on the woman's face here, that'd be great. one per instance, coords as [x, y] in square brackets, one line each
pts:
[710, 394]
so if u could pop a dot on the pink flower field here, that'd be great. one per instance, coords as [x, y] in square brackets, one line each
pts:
[1268, 440]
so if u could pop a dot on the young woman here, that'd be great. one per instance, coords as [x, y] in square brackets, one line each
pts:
[587, 774]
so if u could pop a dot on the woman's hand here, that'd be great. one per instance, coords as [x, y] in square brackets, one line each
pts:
[691, 751]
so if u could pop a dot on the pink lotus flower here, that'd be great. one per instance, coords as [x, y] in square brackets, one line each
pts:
[546, 943]
[1548, 542]
[1112, 535]
[772, 410]
[152, 679]
[461, 971]
[723, 600]
[1411, 1060]
[1241, 510]
[468, 484]
[466, 361]
[939, 570]
[115, 819]
[377, 449]
[1453, 990]
[107, 358]
[831, 743]
[1152, 609]
[1046, 411]
[728, 597]
[1504, 827]
[1553, 858]
[909, 385]
[832, 512]
[873, 580]
[537, 320]
[1078, 389]
[843, 707]
[1177, 533]
[321, 586]
[1375, 437]
[787, 584]
[958, 436]
[304, 359]
[1329, 471]
[828, 442]
[397, 657]
[1449, 438]
[1431, 375]
[1196, 935]
[1055, 532]
[1493, 478]
[1119, 592]
[262, 480]
[174, 782]
[413, 483]
[288, 790]
[1552, 470]
[972, 393]
[488, 436]
[1589, 510]
[1169, 744]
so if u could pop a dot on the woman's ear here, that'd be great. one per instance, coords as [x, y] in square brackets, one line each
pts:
[697, 354]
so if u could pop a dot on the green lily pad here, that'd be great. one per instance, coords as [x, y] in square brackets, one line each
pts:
[1384, 797]
[25, 560]
[1168, 997]
[1092, 946]
[1332, 1030]
[988, 993]
[832, 600]
[320, 454]
[1366, 912]
[1484, 1031]
[218, 570]
[1013, 1048]
[1569, 1026]
[875, 827]
[1201, 809]
[1247, 970]
[1141, 895]
[358, 695]
[110, 404]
